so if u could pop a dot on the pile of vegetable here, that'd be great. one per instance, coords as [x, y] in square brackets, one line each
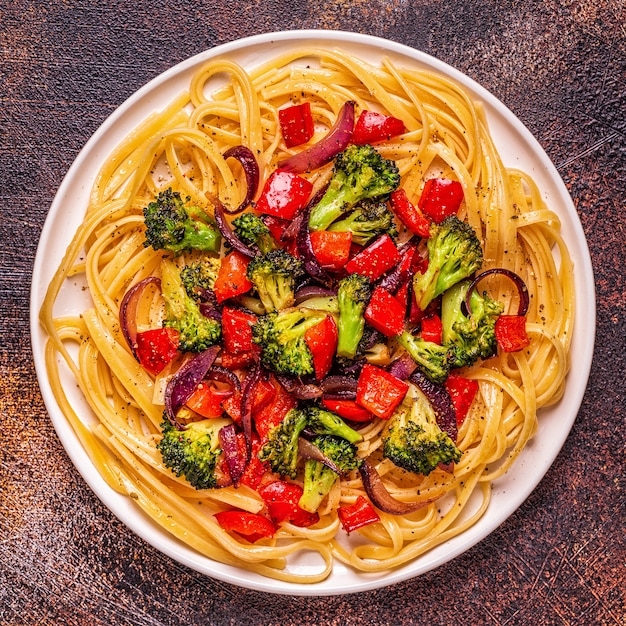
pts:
[305, 316]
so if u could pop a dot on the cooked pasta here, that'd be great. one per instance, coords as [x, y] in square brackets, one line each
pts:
[182, 147]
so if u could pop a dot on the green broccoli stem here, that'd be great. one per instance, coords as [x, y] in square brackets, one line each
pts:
[318, 481]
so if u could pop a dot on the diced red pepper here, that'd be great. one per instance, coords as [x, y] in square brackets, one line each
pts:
[281, 499]
[321, 340]
[376, 259]
[385, 313]
[231, 278]
[283, 194]
[372, 126]
[410, 215]
[206, 400]
[155, 348]
[237, 329]
[272, 412]
[432, 328]
[379, 392]
[252, 526]
[511, 333]
[238, 360]
[462, 391]
[276, 226]
[296, 124]
[440, 198]
[331, 248]
[348, 409]
[357, 515]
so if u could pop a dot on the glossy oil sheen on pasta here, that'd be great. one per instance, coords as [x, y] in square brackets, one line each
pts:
[182, 146]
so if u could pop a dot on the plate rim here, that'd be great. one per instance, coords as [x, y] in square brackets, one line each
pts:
[232, 574]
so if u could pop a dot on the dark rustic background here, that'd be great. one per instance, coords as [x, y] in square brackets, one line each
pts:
[66, 65]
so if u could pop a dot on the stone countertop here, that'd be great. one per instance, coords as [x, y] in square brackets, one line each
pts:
[559, 66]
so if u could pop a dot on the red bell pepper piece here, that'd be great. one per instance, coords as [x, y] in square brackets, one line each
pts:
[283, 194]
[155, 348]
[432, 328]
[331, 248]
[231, 278]
[462, 391]
[281, 499]
[376, 259]
[348, 409]
[410, 215]
[237, 330]
[272, 412]
[357, 515]
[372, 126]
[252, 526]
[440, 198]
[321, 340]
[511, 333]
[385, 313]
[206, 400]
[238, 360]
[296, 124]
[379, 392]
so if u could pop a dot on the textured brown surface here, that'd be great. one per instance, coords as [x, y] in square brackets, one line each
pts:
[560, 66]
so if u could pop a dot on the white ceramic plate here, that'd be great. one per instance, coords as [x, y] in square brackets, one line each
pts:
[518, 149]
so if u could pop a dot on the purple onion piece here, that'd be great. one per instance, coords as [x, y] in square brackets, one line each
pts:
[226, 231]
[224, 375]
[250, 167]
[308, 450]
[182, 384]
[440, 400]
[313, 291]
[252, 378]
[234, 461]
[128, 311]
[399, 275]
[325, 150]
[305, 247]
[380, 497]
[522, 289]
[403, 366]
[335, 384]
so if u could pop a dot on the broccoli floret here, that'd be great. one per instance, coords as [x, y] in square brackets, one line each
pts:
[280, 335]
[454, 253]
[432, 359]
[319, 478]
[199, 277]
[175, 225]
[470, 336]
[370, 219]
[194, 452]
[197, 332]
[414, 441]
[281, 448]
[325, 422]
[359, 173]
[253, 231]
[353, 294]
[274, 276]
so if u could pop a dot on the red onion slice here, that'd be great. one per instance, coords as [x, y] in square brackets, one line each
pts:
[128, 311]
[226, 231]
[250, 167]
[308, 450]
[224, 375]
[234, 461]
[522, 289]
[182, 384]
[440, 400]
[380, 497]
[252, 378]
[403, 366]
[325, 150]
